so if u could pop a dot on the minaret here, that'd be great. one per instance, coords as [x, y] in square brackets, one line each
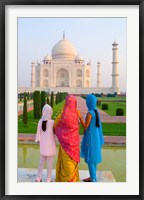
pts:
[115, 73]
[63, 34]
[99, 82]
[33, 74]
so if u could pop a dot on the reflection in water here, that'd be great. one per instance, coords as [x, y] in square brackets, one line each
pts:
[114, 159]
[24, 154]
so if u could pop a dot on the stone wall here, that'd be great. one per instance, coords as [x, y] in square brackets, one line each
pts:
[68, 89]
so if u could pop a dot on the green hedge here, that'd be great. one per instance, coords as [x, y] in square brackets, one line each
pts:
[104, 106]
[25, 115]
[52, 99]
[43, 99]
[119, 112]
[37, 104]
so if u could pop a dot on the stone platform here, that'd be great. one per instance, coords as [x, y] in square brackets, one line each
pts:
[109, 140]
[30, 174]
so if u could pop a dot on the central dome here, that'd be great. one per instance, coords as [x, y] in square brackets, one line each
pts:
[64, 49]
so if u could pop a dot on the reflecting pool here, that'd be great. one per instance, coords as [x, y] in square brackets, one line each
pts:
[114, 159]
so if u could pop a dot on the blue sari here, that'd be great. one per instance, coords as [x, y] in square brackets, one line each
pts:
[93, 137]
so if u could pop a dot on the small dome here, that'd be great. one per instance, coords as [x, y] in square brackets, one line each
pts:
[114, 44]
[48, 57]
[79, 58]
[64, 49]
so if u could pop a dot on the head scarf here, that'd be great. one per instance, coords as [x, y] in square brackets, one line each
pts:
[67, 129]
[46, 112]
[46, 115]
[91, 101]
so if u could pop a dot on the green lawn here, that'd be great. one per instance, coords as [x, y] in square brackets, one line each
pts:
[111, 129]
[20, 101]
[32, 123]
[114, 129]
[57, 109]
[112, 98]
[23, 101]
[112, 106]
[108, 129]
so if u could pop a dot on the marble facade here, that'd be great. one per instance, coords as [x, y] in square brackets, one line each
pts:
[66, 71]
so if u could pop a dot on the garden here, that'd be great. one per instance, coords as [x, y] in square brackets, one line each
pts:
[57, 102]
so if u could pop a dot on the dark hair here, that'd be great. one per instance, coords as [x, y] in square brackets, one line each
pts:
[44, 125]
[97, 118]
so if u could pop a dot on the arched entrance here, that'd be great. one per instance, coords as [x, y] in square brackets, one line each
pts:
[79, 83]
[87, 83]
[62, 78]
[79, 73]
[45, 83]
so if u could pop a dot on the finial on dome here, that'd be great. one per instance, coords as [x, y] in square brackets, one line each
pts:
[63, 34]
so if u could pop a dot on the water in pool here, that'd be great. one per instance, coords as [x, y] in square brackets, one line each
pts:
[114, 159]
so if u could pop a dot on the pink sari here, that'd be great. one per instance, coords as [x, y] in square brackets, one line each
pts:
[67, 129]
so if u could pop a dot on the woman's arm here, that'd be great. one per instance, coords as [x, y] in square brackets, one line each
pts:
[53, 130]
[87, 121]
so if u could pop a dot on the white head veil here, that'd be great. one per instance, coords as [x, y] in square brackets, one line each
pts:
[46, 112]
[46, 115]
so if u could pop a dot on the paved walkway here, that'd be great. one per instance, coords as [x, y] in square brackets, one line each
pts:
[81, 104]
[30, 174]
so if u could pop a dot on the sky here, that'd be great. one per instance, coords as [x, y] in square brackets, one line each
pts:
[92, 38]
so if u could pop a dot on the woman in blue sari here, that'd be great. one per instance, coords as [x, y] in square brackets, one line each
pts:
[93, 138]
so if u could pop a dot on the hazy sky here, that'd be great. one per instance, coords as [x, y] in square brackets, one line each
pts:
[92, 38]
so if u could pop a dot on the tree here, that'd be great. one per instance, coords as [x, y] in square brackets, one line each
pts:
[31, 95]
[57, 98]
[48, 101]
[28, 96]
[20, 96]
[43, 97]
[52, 100]
[60, 96]
[25, 115]
[37, 104]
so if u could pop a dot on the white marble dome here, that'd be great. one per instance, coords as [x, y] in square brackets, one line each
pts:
[64, 49]
[48, 57]
[79, 58]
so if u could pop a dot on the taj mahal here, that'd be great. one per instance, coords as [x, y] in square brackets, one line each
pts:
[66, 71]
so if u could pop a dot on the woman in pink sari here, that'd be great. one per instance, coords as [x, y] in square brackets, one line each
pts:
[66, 128]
